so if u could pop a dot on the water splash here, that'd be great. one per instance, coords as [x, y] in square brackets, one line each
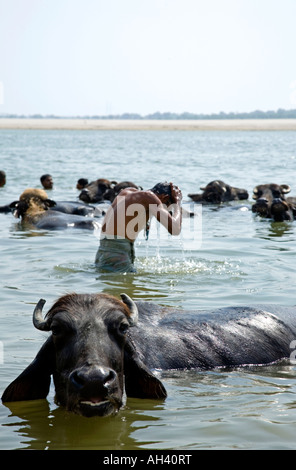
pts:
[182, 266]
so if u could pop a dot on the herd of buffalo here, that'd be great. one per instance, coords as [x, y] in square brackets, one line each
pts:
[36, 209]
[101, 347]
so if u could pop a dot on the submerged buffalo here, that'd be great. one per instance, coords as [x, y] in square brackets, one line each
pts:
[112, 193]
[79, 208]
[67, 207]
[104, 190]
[95, 190]
[217, 192]
[271, 202]
[100, 345]
[37, 210]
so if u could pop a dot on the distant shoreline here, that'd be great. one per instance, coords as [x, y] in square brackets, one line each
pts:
[150, 124]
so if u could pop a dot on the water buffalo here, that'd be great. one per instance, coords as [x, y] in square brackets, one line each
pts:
[217, 192]
[272, 203]
[100, 344]
[104, 190]
[79, 208]
[89, 354]
[36, 209]
[67, 207]
[113, 192]
[95, 190]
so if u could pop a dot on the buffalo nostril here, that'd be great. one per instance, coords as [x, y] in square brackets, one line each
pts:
[77, 379]
[92, 376]
[262, 200]
[277, 201]
[110, 378]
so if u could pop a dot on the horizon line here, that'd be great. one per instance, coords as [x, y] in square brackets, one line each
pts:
[256, 114]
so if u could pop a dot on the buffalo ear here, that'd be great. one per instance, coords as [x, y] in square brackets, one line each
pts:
[139, 380]
[50, 203]
[13, 204]
[34, 382]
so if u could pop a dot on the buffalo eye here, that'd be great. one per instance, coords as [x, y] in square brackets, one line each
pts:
[118, 328]
[123, 327]
[59, 329]
[56, 330]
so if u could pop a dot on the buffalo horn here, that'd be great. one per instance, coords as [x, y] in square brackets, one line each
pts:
[285, 188]
[255, 193]
[38, 320]
[133, 319]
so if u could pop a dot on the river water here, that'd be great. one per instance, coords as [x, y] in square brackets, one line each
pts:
[225, 256]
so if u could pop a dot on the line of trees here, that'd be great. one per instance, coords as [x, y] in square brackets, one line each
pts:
[279, 114]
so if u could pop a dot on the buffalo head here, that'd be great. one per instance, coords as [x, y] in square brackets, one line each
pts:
[95, 191]
[31, 202]
[89, 354]
[113, 192]
[271, 202]
[217, 192]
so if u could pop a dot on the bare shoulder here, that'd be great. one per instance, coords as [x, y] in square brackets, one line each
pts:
[136, 196]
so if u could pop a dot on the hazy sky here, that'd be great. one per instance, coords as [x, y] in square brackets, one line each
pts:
[86, 57]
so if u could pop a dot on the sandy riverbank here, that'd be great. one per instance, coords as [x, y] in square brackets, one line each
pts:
[120, 124]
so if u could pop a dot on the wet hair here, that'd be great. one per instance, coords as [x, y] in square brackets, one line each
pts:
[2, 178]
[43, 177]
[162, 188]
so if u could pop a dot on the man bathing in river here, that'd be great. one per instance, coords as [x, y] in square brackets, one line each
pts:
[128, 215]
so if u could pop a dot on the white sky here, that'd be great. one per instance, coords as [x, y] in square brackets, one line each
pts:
[87, 57]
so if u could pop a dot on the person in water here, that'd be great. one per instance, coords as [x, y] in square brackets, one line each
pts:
[46, 181]
[128, 215]
[2, 178]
